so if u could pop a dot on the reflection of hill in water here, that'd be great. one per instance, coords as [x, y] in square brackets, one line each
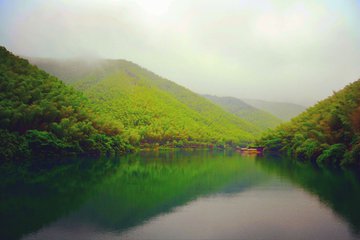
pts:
[116, 196]
[338, 189]
[32, 198]
[113, 195]
[137, 193]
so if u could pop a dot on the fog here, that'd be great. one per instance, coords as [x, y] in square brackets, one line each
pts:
[294, 51]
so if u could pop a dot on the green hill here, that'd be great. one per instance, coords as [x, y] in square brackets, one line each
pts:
[328, 132]
[152, 109]
[262, 119]
[282, 110]
[40, 115]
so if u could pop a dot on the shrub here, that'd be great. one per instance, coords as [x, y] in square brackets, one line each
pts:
[353, 156]
[308, 150]
[334, 154]
[13, 146]
[44, 143]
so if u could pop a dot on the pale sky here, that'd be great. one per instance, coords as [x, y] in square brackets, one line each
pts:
[296, 51]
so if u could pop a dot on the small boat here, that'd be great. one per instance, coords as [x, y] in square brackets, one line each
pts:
[252, 150]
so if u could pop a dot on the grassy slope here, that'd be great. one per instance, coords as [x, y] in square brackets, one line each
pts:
[282, 110]
[260, 118]
[151, 108]
[327, 132]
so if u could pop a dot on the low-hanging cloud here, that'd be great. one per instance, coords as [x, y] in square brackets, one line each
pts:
[297, 51]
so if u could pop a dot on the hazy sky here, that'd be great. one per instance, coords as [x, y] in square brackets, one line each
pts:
[291, 50]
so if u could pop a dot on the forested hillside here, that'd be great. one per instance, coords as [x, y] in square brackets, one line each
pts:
[283, 110]
[40, 115]
[328, 132]
[262, 119]
[152, 109]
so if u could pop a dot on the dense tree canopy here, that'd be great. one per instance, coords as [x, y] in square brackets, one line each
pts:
[328, 132]
[117, 106]
[152, 109]
[40, 115]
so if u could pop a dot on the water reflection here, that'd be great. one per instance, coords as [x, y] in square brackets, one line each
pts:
[180, 195]
[272, 210]
[339, 189]
[34, 196]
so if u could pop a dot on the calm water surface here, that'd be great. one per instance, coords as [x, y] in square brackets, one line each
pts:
[180, 195]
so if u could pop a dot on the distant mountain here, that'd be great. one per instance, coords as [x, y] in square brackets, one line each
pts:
[41, 116]
[260, 118]
[328, 132]
[282, 110]
[151, 108]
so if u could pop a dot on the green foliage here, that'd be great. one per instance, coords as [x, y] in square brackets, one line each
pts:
[40, 116]
[333, 154]
[309, 149]
[13, 146]
[43, 143]
[122, 106]
[152, 110]
[355, 152]
[352, 156]
[326, 133]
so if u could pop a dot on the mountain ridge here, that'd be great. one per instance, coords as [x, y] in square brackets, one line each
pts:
[260, 118]
[282, 110]
[121, 83]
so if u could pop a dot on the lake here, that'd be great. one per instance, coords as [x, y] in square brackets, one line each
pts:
[195, 194]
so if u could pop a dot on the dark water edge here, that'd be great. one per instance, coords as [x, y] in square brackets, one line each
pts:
[198, 194]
